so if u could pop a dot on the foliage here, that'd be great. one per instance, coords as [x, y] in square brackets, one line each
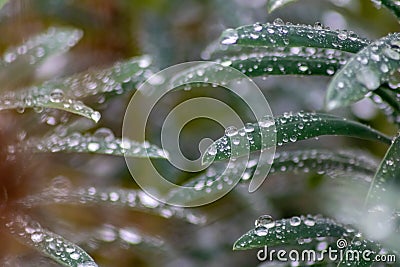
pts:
[79, 112]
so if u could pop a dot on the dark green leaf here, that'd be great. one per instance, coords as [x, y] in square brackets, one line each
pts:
[278, 34]
[289, 128]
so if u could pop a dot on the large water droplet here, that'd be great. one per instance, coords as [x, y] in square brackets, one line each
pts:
[57, 96]
[265, 221]
[229, 36]
[295, 221]
[231, 131]
[368, 78]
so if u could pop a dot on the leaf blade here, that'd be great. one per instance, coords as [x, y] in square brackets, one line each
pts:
[101, 142]
[278, 34]
[48, 243]
[290, 128]
[365, 72]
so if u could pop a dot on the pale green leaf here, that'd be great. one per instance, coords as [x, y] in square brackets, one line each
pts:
[19, 62]
[101, 142]
[31, 233]
[60, 192]
[365, 72]
[279, 34]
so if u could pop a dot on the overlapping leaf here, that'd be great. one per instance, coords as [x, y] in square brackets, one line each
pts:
[290, 128]
[365, 72]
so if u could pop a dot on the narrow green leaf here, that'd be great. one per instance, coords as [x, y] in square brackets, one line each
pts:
[31, 233]
[269, 232]
[365, 72]
[278, 34]
[347, 163]
[290, 128]
[119, 78]
[101, 142]
[60, 192]
[275, 4]
[276, 61]
[20, 61]
[38, 101]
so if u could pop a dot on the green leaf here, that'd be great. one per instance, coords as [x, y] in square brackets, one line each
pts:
[386, 177]
[56, 99]
[290, 128]
[269, 232]
[278, 34]
[101, 142]
[31, 233]
[60, 192]
[130, 236]
[275, 4]
[348, 163]
[365, 72]
[392, 5]
[117, 79]
[19, 62]
[276, 61]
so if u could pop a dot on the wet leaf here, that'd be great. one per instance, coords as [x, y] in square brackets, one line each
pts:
[101, 142]
[290, 128]
[61, 192]
[20, 61]
[220, 175]
[279, 34]
[365, 72]
[31, 233]
[276, 61]
[119, 78]
[270, 232]
[38, 101]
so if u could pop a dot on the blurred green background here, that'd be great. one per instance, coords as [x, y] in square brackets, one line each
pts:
[174, 31]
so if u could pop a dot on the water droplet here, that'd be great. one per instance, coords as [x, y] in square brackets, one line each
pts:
[37, 237]
[57, 96]
[261, 231]
[130, 236]
[231, 131]
[96, 116]
[266, 121]
[342, 35]
[105, 134]
[75, 256]
[61, 186]
[368, 78]
[257, 27]
[265, 221]
[229, 36]
[212, 150]
[309, 221]
[295, 221]
[93, 147]
[279, 22]
[390, 53]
